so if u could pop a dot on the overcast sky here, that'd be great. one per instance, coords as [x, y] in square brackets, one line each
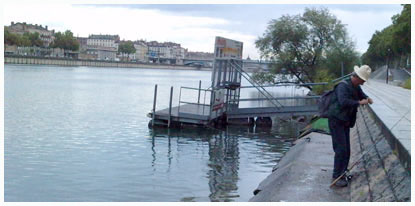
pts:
[194, 26]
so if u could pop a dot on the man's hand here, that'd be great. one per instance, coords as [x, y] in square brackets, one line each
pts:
[364, 102]
[370, 101]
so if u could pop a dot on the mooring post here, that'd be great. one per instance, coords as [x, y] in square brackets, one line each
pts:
[200, 85]
[171, 98]
[154, 105]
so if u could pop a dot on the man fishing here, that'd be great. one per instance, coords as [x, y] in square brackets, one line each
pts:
[342, 116]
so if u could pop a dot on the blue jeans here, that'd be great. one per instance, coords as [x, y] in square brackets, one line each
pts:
[340, 135]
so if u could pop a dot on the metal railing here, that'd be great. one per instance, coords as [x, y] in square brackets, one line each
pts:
[199, 103]
[256, 85]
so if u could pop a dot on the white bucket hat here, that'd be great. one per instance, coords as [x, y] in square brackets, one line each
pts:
[363, 72]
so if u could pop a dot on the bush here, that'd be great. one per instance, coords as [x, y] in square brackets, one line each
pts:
[323, 76]
[407, 84]
[263, 77]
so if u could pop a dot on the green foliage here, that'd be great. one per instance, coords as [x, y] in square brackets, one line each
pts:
[27, 39]
[24, 41]
[263, 77]
[301, 45]
[34, 39]
[407, 84]
[9, 38]
[126, 47]
[402, 30]
[342, 54]
[393, 42]
[324, 76]
[65, 41]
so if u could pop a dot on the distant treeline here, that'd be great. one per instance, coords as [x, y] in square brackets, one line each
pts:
[64, 40]
[392, 45]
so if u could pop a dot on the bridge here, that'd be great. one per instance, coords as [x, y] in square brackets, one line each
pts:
[198, 62]
[248, 65]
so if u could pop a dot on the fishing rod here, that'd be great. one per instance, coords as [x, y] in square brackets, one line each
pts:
[354, 164]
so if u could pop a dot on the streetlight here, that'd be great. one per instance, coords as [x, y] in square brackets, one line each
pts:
[387, 66]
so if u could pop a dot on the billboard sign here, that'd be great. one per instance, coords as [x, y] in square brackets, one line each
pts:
[228, 48]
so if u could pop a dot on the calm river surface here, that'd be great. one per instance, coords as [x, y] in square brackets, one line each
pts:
[81, 134]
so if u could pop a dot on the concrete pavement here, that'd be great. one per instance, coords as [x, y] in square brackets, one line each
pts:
[303, 175]
[392, 105]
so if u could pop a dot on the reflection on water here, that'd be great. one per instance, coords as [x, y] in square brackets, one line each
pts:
[80, 134]
[224, 152]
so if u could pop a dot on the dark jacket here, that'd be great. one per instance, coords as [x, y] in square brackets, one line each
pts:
[346, 101]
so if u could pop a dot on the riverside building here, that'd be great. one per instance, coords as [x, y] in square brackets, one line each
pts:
[44, 34]
[166, 52]
[102, 47]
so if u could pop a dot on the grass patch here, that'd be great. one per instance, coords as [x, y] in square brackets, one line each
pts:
[407, 84]
[321, 124]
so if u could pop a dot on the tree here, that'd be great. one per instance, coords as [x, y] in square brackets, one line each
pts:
[343, 54]
[402, 30]
[24, 41]
[27, 39]
[65, 41]
[34, 39]
[301, 44]
[10, 38]
[126, 47]
[392, 43]
[379, 47]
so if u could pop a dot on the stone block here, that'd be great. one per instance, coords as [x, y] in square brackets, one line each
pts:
[403, 191]
[379, 190]
[378, 138]
[359, 167]
[376, 131]
[397, 174]
[371, 159]
[353, 132]
[390, 162]
[354, 157]
[366, 143]
[359, 187]
[378, 181]
[360, 194]
[363, 134]
[369, 124]
[387, 196]
[383, 148]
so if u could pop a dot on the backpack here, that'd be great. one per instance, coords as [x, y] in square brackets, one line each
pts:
[326, 100]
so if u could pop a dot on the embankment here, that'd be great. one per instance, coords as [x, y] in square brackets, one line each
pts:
[92, 63]
[304, 173]
[384, 174]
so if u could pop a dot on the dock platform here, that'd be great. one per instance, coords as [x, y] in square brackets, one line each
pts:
[187, 113]
[199, 114]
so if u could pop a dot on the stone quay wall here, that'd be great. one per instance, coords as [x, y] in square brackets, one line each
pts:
[382, 175]
[91, 63]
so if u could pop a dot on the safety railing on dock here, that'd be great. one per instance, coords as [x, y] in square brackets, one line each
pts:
[203, 100]
[288, 98]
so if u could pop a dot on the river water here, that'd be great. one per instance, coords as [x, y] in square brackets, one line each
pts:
[81, 134]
